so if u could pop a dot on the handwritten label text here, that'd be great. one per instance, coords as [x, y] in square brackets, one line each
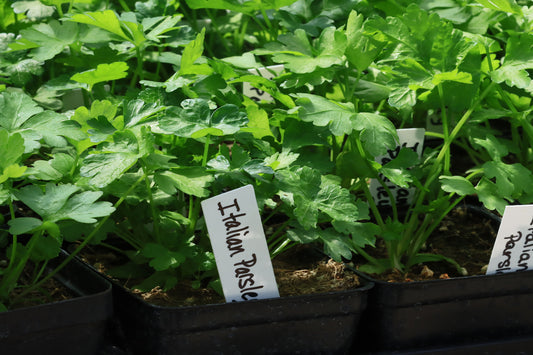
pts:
[513, 248]
[239, 245]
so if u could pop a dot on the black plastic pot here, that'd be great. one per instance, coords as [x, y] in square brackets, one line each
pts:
[450, 312]
[514, 345]
[321, 323]
[444, 312]
[75, 326]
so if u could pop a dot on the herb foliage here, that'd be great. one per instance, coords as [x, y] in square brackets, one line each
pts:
[161, 123]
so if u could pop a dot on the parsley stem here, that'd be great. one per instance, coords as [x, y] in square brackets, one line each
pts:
[15, 239]
[287, 244]
[59, 10]
[516, 117]
[84, 242]
[445, 126]
[373, 207]
[240, 34]
[124, 5]
[505, 96]
[356, 142]
[114, 248]
[128, 238]
[9, 282]
[426, 231]
[364, 254]
[138, 74]
[41, 270]
[271, 30]
[273, 238]
[263, 28]
[206, 150]
[216, 27]
[272, 213]
[194, 204]
[428, 228]
[155, 215]
[412, 218]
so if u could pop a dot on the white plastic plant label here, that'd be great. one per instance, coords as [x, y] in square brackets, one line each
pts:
[268, 73]
[412, 138]
[434, 123]
[239, 244]
[513, 248]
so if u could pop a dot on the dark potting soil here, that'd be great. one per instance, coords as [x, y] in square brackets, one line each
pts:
[300, 270]
[50, 291]
[464, 236]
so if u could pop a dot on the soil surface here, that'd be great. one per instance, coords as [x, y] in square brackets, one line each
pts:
[300, 270]
[50, 291]
[465, 236]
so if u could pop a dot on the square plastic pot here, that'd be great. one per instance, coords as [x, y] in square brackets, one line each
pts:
[462, 310]
[320, 323]
[513, 345]
[74, 326]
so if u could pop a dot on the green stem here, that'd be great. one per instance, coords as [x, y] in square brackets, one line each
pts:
[138, 74]
[287, 244]
[192, 216]
[475, 156]
[365, 255]
[373, 207]
[153, 209]
[366, 190]
[41, 270]
[128, 238]
[274, 238]
[15, 241]
[206, 150]
[124, 5]
[59, 10]
[263, 28]
[239, 36]
[158, 66]
[215, 26]
[436, 168]
[380, 106]
[194, 204]
[351, 90]
[335, 148]
[445, 126]
[514, 126]
[413, 216]
[9, 282]
[272, 214]
[83, 243]
[112, 247]
[427, 231]
[267, 20]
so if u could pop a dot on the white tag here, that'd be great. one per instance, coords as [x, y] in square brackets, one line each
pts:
[268, 73]
[239, 245]
[409, 138]
[434, 123]
[513, 248]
